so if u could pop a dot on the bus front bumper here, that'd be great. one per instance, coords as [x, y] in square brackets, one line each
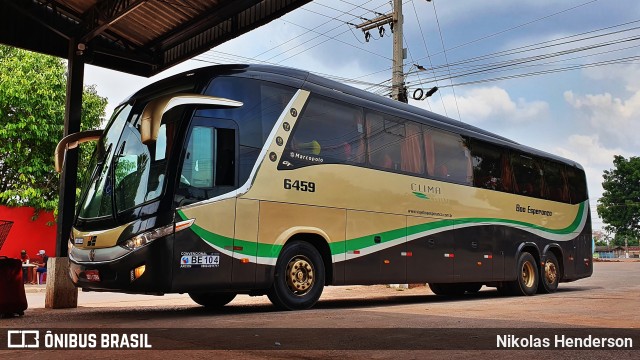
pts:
[120, 270]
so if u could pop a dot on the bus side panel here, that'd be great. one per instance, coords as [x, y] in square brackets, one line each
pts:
[209, 238]
[376, 248]
[430, 242]
[474, 253]
[279, 222]
[509, 244]
[584, 253]
[245, 243]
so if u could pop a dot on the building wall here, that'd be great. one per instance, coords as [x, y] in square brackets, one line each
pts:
[27, 233]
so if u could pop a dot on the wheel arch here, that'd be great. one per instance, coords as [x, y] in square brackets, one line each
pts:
[317, 238]
[526, 246]
[531, 248]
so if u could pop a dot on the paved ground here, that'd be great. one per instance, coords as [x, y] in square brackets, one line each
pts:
[380, 315]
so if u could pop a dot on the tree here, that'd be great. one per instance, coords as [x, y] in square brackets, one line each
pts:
[619, 206]
[32, 106]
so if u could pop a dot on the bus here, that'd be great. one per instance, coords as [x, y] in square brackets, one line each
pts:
[262, 180]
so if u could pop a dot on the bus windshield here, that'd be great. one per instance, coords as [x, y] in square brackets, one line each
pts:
[126, 172]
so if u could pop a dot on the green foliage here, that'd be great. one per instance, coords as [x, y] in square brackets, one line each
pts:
[601, 243]
[619, 240]
[32, 106]
[619, 206]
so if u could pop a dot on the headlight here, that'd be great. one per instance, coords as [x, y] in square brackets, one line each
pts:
[143, 239]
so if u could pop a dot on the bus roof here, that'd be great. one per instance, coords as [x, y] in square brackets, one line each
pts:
[315, 83]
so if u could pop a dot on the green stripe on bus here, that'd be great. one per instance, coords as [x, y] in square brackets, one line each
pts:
[249, 248]
[340, 247]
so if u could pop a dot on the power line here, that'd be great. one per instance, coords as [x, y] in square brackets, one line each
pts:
[497, 33]
[533, 47]
[509, 63]
[322, 42]
[446, 59]
[426, 48]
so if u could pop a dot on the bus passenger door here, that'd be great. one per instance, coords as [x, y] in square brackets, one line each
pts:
[430, 244]
[375, 248]
[208, 170]
[474, 253]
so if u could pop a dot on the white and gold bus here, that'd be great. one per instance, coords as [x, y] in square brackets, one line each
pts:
[270, 181]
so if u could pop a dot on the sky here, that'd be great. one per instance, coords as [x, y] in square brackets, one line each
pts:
[560, 76]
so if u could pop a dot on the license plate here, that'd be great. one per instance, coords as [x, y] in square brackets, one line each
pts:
[92, 275]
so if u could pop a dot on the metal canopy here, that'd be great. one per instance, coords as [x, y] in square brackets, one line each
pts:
[141, 37]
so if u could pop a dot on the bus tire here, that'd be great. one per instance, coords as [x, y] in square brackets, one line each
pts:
[212, 300]
[447, 289]
[299, 277]
[527, 276]
[549, 275]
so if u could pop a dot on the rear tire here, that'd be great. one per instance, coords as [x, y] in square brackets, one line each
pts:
[549, 275]
[212, 300]
[528, 276]
[299, 277]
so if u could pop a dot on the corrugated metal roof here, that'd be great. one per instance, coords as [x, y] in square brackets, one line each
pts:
[142, 37]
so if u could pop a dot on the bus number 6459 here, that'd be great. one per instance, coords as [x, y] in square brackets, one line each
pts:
[308, 186]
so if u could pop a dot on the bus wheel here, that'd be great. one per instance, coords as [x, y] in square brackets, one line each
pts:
[527, 272]
[447, 289]
[549, 275]
[299, 277]
[212, 300]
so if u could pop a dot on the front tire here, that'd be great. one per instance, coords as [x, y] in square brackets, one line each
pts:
[299, 277]
[212, 300]
[549, 275]
[528, 276]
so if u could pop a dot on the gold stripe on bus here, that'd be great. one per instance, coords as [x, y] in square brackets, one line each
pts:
[352, 187]
[216, 217]
[278, 222]
[98, 239]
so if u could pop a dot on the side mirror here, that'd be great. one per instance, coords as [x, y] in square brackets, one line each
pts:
[72, 141]
[156, 108]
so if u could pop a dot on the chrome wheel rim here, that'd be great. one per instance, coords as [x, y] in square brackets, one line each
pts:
[550, 272]
[528, 275]
[300, 275]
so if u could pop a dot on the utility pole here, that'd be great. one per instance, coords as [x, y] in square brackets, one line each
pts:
[395, 19]
[398, 91]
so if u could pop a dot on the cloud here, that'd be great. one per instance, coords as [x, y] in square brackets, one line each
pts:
[595, 157]
[494, 104]
[615, 119]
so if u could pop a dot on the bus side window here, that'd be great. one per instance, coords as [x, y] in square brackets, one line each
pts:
[528, 175]
[450, 157]
[330, 130]
[487, 166]
[208, 168]
[197, 169]
[385, 136]
[411, 152]
[577, 184]
[555, 184]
